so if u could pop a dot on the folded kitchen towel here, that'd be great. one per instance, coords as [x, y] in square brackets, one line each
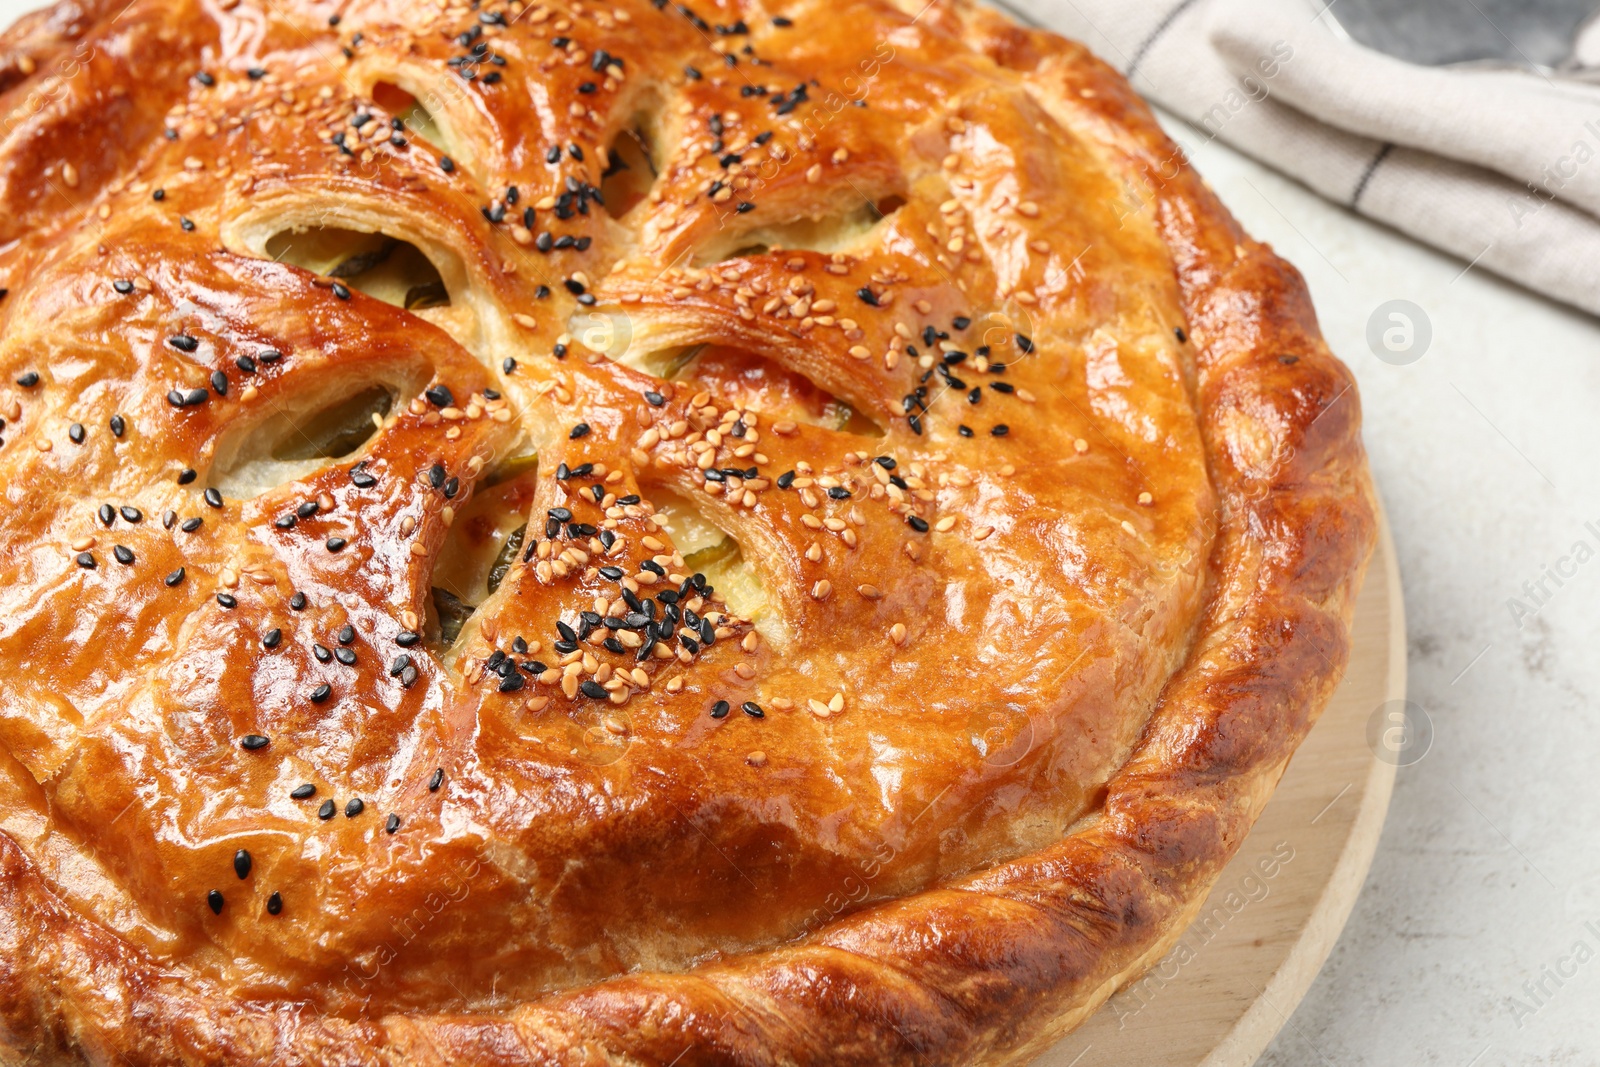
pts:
[1499, 166]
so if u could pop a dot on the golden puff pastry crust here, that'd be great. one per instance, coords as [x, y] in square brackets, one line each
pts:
[629, 533]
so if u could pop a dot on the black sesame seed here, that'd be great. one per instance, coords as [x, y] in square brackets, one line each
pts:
[320, 651]
[131, 514]
[327, 810]
[86, 560]
[108, 514]
[592, 689]
[321, 693]
[297, 602]
[168, 519]
[123, 286]
[1000, 430]
[1025, 343]
[219, 383]
[407, 638]
[253, 742]
[213, 497]
[174, 578]
[275, 904]
[436, 781]
[1182, 337]
[867, 296]
[303, 792]
[391, 824]
[964, 431]
[336, 544]
[917, 523]
[752, 709]
[354, 808]
[119, 426]
[184, 343]
[508, 365]
[440, 396]
[191, 524]
[75, 433]
[123, 553]
[719, 709]
[214, 901]
[29, 380]
[187, 475]
[241, 864]
[226, 600]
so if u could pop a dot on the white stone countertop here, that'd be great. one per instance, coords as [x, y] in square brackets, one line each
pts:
[1471, 945]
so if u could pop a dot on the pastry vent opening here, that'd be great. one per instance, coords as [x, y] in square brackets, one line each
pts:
[300, 437]
[484, 542]
[381, 266]
[709, 550]
[832, 232]
[413, 114]
[632, 165]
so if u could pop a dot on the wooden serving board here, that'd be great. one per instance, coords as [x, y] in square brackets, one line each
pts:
[1227, 987]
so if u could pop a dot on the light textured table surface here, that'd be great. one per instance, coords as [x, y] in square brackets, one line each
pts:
[1469, 945]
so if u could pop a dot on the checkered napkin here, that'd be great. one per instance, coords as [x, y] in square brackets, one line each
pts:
[1499, 167]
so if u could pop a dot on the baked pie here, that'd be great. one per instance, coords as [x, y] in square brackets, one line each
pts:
[626, 532]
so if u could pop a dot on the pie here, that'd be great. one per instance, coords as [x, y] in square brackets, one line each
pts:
[629, 533]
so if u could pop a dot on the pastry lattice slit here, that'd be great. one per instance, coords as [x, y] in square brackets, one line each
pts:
[710, 550]
[483, 544]
[294, 441]
[381, 266]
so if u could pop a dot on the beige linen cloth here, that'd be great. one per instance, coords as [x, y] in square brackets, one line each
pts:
[1499, 167]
